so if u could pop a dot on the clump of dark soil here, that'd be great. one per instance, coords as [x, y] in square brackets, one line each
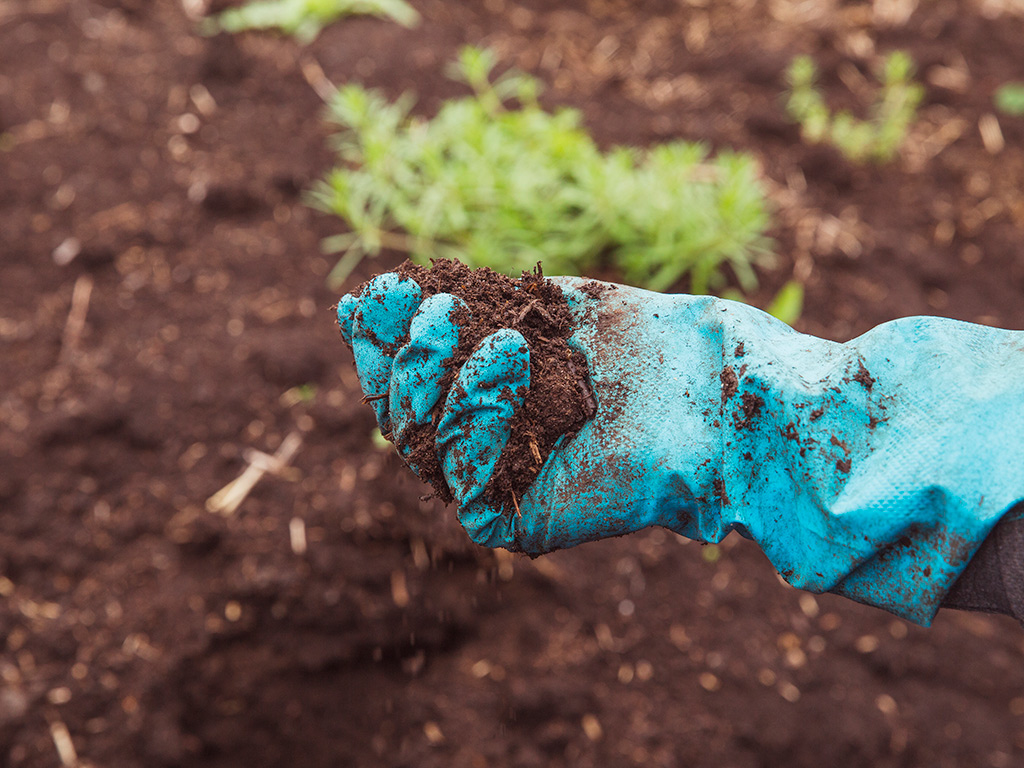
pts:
[559, 400]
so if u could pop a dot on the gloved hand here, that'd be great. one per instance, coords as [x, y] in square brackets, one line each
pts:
[873, 469]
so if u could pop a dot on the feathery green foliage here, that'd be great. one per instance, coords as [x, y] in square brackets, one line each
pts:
[305, 18]
[1009, 99]
[878, 138]
[506, 187]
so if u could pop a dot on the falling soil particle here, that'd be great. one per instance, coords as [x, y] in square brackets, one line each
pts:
[559, 400]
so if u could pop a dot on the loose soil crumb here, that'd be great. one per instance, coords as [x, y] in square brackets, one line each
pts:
[594, 289]
[560, 399]
[863, 377]
[729, 382]
[750, 409]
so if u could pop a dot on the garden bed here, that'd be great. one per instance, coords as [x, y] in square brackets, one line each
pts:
[335, 618]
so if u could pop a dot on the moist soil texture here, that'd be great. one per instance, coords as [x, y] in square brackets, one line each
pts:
[163, 315]
[559, 399]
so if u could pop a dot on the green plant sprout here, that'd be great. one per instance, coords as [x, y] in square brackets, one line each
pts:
[305, 18]
[878, 138]
[1009, 99]
[506, 185]
[788, 303]
[304, 393]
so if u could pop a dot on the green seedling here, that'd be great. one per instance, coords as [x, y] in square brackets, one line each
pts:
[304, 393]
[1009, 99]
[787, 305]
[495, 180]
[876, 139]
[305, 18]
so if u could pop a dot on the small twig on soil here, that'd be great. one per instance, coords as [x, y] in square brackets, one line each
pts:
[525, 310]
[227, 499]
[515, 504]
[535, 450]
[991, 133]
[314, 74]
[297, 535]
[535, 307]
[62, 741]
[271, 464]
[76, 317]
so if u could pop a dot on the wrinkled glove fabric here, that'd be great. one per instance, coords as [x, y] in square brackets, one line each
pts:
[873, 469]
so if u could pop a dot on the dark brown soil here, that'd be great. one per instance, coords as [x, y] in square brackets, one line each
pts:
[156, 633]
[559, 400]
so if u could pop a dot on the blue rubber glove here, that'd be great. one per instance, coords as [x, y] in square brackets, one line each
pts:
[873, 469]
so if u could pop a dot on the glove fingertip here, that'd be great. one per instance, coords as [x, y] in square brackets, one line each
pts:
[438, 316]
[386, 307]
[346, 310]
[380, 321]
[419, 366]
[476, 422]
[486, 525]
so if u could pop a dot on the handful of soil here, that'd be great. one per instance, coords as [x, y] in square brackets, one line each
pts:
[559, 400]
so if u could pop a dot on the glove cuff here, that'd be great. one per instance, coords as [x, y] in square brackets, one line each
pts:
[993, 581]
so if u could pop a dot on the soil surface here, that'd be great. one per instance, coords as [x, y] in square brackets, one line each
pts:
[163, 315]
[559, 399]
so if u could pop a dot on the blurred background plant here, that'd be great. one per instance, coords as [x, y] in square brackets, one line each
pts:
[786, 305]
[497, 181]
[1009, 99]
[305, 18]
[877, 138]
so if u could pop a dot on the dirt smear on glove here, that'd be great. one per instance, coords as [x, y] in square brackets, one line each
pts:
[559, 400]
